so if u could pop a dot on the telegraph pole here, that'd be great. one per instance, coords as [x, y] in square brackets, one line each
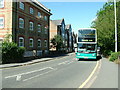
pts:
[115, 26]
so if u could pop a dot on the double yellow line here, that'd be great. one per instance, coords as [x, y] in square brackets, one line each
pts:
[90, 76]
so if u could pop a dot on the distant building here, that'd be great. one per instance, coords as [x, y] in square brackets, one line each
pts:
[74, 41]
[28, 23]
[57, 27]
[68, 34]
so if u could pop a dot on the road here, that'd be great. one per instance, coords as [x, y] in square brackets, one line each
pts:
[65, 72]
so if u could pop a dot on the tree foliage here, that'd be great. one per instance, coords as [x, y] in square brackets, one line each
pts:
[105, 25]
[10, 51]
[57, 42]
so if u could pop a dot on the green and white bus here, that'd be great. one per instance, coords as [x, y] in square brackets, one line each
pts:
[86, 44]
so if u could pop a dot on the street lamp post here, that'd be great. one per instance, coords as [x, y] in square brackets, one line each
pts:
[115, 26]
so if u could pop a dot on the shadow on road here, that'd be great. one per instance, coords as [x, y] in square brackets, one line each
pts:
[56, 55]
[90, 59]
[52, 55]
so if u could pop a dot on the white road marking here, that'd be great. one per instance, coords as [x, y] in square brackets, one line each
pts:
[18, 78]
[63, 62]
[69, 62]
[38, 75]
[28, 72]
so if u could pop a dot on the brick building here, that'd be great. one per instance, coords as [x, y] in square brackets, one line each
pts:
[28, 23]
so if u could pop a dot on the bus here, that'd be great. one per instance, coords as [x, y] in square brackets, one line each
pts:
[86, 44]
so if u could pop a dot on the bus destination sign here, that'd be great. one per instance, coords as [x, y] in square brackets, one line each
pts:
[86, 39]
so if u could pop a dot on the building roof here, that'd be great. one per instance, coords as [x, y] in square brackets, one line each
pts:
[36, 1]
[57, 22]
[41, 5]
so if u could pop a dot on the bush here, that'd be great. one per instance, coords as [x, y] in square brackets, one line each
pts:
[106, 53]
[114, 56]
[11, 52]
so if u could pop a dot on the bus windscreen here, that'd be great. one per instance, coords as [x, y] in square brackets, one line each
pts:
[86, 47]
[86, 35]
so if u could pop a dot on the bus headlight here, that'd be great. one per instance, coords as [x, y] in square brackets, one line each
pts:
[78, 54]
[93, 55]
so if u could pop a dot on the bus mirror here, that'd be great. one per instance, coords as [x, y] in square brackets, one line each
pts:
[75, 45]
[98, 48]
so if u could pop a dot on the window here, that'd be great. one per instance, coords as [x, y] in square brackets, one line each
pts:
[45, 30]
[63, 35]
[31, 10]
[21, 23]
[1, 3]
[1, 22]
[39, 27]
[31, 42]
[21, 5]
[39, 43]
[31, 26]
[45, 17]
[45, 43]
[39, 14]
[21, 42]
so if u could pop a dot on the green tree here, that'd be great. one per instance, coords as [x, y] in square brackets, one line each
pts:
[57, 42]
[105, 25]
[10, 51]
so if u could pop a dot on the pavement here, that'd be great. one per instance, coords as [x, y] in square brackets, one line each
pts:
[33, 61]
[106, 76]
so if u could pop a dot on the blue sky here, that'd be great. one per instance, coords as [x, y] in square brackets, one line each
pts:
[78, 14]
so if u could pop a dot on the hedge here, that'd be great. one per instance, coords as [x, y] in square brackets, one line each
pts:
[114, 56]
[11, 52]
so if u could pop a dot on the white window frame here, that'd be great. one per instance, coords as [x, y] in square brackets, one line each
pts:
[39, 28]
[31, 10]
[21, 24]
[45, 43]
[1, 3]
[31, 25]
[21, 5]
[21, 42]
[31, 43]
[1, 22]
[39, 43]
[39, 14]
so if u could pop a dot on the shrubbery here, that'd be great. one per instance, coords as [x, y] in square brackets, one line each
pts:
[114, 56]
[107, 53]
[11, 52]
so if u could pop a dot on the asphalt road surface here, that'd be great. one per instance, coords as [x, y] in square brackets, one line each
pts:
[65, 72]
